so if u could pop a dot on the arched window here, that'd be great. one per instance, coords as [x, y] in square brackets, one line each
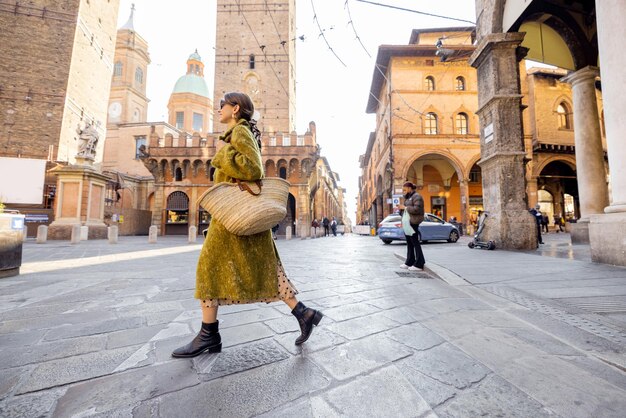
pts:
[177, 209]
[178, 174]
[460, 83]
[251, 61]
[564, 116]
[430, 83]
[118, 69]
[139, 75]
[283, 173]
[430, 124]
[177, 201]
[460, 122]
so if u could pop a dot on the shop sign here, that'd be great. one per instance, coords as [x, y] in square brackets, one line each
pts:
[36, 217]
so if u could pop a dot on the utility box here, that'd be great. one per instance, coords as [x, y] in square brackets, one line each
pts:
[11, 239]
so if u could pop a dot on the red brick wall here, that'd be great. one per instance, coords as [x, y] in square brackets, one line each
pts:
[40, 48]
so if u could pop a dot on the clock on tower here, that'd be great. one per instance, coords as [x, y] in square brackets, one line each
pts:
[115, 110]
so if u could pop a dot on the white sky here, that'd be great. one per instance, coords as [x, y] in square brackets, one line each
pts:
[328, 93]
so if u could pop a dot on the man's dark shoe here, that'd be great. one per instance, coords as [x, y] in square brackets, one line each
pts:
[307, 318]
[207, 339]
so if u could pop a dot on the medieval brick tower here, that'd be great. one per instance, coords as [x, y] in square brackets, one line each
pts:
[255, 53]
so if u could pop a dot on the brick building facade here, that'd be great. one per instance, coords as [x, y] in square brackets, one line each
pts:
[427, 132]
[177, 155]
[55, 78]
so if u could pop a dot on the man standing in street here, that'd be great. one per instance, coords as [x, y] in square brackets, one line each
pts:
[326, 225]
[333, 226]
[414, 206]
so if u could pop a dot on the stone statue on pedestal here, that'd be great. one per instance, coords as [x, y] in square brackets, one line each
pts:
[88, 137]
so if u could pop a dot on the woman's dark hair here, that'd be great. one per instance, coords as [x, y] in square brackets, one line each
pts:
[246, 110]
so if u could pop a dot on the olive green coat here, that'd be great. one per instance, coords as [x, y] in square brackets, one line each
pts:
[239, 268]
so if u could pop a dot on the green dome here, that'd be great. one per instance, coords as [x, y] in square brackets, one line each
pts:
[191, 83]
[195, 56]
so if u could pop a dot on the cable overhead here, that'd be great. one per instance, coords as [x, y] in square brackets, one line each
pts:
[351, 22]
[324, 36]
[394, 90]
[417, 11]
[457, 52]
[262, 48]
[281, 42]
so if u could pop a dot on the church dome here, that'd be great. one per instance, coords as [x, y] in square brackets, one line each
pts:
[191, 83]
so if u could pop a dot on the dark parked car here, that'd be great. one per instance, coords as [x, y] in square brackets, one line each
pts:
[433, 228]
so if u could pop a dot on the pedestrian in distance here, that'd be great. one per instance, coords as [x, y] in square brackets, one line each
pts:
[333, 226]
[536, 212]
[315, 224]
[326, 225]
[544, 223]
[236, 269]
[558, 222]
[275, 230]
[414, 206]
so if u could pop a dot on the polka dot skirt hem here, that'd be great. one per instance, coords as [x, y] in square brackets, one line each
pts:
[286, 290]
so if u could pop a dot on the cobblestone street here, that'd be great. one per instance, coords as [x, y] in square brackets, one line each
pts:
[87, 330]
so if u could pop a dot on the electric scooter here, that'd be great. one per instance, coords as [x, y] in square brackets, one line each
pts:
[477, 243]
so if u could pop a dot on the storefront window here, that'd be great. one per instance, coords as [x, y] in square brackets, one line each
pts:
[177, 216]
[177, 211]
[204, 217]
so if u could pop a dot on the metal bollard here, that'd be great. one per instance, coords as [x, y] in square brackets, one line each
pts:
[84, 233]
[152, 235]
[288, 232]
[193, 234]
[75, 238]
[112, 233]
[24, 233]
[42, 234]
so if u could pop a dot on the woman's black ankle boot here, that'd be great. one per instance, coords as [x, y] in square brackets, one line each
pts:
[207, 339]
[307, 318]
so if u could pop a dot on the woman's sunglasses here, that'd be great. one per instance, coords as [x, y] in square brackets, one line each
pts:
[224, 102]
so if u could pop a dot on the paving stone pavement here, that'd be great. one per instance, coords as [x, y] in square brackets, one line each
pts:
[87, 330]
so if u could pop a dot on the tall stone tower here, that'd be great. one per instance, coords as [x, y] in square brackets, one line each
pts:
[190, 107]
[128, 102]
[255, 53]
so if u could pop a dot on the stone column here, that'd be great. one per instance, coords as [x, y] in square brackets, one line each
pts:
[159, 207]
[380, 210]
[464, 190]
[610, 22]
[532, 192]
[502, 151]
[192, 216]
[590, 172]
[607, 232]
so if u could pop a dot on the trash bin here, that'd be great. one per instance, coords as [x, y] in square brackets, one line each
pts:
[11, 238]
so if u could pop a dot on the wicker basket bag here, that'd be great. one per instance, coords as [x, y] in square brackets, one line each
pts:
[244, 211]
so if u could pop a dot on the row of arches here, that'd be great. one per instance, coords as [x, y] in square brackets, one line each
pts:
[451, 188]
[179, 215]
[178, 170]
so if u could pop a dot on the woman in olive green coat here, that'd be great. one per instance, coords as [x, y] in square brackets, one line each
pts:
[240, 269]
